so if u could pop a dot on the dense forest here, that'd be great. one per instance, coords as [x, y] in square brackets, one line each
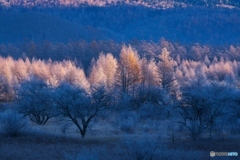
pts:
[161, 84]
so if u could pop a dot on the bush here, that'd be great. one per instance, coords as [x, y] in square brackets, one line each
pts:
[141, 149]
[13, 124]
[149, 149]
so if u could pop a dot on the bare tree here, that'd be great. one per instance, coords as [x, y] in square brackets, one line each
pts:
[200, 106]
[79, 106]
[234, 111]
[35, 101]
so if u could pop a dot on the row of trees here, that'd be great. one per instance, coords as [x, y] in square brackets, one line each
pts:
[198, 94]
[83, 51]
[126, 74]
[40, 103]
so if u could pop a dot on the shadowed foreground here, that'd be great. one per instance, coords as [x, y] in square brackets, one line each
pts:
[45, 146]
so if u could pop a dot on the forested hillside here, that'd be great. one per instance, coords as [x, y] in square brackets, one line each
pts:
[213, 26]
[147, 3]
[211, 2]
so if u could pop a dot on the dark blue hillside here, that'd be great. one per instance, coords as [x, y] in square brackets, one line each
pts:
[36, 26]
[204, 25]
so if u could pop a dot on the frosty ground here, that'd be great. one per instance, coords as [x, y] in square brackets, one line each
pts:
[53, 142]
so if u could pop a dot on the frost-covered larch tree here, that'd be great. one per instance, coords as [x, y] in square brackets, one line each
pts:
[103, 71]
[167, 66]
[129, 70]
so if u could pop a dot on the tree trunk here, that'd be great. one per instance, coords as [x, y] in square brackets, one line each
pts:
[83, 131]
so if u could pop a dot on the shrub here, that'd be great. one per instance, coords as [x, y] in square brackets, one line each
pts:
[141, 149]
[149, 149]
[13, 124]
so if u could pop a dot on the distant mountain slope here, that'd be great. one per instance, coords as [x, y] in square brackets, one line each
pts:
[17, 27]
[199, 24]
[210, 2]
[214, 26]
[146, 3]
[189, 25]
[76, 3]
